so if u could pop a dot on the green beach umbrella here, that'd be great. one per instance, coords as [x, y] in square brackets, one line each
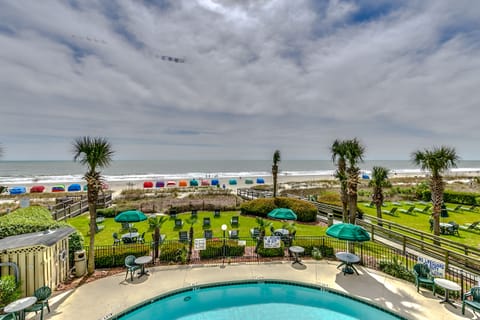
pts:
[348, 231]
[282, 214]
[131, 216]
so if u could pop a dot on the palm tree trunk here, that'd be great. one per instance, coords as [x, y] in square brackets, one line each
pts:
[437, 199]
[344, 199]
[156, 243]
[92, 195]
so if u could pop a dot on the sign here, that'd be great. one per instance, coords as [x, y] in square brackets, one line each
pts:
[200, 244]
[242, 243]
[271, 242]
[437, 269]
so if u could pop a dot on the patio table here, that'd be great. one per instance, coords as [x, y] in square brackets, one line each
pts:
[448, 286]
[142, 261]
[296, 250]
[347, 259]
[445, 228]
[19, 306]
[130, 237]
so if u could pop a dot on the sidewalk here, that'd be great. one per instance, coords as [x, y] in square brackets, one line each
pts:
[99, 299]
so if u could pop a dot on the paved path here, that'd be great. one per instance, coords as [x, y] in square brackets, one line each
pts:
[110, 295]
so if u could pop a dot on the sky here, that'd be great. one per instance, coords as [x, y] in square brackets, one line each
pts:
[257, 76]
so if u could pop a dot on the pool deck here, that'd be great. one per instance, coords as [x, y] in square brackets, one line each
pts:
[110, 295]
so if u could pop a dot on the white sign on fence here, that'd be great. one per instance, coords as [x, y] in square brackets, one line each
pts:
[271, 242]
[200, 244]
[437, 269]
[242, 243]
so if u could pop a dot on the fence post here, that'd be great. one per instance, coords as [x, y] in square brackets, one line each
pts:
[404, 244]
[446, 260]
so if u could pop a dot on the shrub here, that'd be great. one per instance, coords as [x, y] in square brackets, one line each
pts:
[114, 256]
[271, 252]
[9, 291]
[306, 211]
[107, 212]
[75, 243]
[466, 198]
[397, 269]
[214, 249]
[173, 252]
[310, 244]
[27, 220]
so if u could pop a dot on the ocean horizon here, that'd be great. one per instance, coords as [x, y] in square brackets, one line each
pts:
[64, 171]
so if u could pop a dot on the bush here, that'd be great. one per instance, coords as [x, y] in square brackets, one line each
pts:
[107, 212]
[114, 256]
[271, 252]
[395, 268]
[9, 291]
[466, 198]
[173, 252]
[27, 220]
[75, 243]
[214, 249]
[310, 244]
[306, 211]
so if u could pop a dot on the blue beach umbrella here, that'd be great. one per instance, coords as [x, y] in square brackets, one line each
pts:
[131, 216]
[282, 214]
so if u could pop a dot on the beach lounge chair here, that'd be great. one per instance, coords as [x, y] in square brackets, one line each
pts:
[470, 226]
[206, 222]
[422, 275]
[392, 212]
[471, 299]
[456, 209]
[178, 223]
[116, 239]
[183, 236]
[99, 227]
[233, 234]
[131, 266]
[408, 211]
[234, 221]
[42, 294]
[208, 234]
[172, 213]
[370, 205]
[470, 209]
[216, 213]
[424, 210]
[254, 233]
[194, 213]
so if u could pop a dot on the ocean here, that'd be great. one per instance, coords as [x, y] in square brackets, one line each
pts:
[51, 172]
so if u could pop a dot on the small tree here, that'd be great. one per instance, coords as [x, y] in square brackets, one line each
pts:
[276, 160]
[155, 224]
[262, 225]
[378, 182]
[191, 221]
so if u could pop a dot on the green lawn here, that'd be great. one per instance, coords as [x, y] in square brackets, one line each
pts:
[104, 237]
[420, 222]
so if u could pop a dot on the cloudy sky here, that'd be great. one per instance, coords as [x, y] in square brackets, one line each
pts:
[259, 75]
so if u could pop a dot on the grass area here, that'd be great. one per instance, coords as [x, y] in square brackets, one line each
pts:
[420, 222]
[104, 237]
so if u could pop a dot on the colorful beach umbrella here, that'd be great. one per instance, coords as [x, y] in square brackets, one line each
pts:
[348, 231]
[131, 216]
[282, 214]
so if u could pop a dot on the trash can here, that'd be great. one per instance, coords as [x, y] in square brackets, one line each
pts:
[80, 259]
[330, 218]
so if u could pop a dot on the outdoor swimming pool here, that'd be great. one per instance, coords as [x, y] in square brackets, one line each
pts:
[255, 300]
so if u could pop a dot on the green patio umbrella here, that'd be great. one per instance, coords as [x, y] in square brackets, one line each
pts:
[131, 216]
[282, 214]
[348, 231]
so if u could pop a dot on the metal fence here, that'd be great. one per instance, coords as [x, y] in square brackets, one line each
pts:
[225, 251]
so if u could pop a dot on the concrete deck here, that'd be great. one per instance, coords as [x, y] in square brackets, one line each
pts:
[110, 295]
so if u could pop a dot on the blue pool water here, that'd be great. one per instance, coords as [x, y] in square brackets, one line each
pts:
[256, 300]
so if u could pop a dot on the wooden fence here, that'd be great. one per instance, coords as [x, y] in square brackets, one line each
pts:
[73, 206]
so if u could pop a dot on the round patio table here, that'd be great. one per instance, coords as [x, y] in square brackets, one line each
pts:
[448, 286]
[142, 261]
[19, 306]
[130, 237]
[296, 250]
[348, 259]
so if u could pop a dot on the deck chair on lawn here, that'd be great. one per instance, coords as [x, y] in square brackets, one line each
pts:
[470, 209]
[392, 212]
[233, 234]
[206, 222]
[424, 210]
[234, 221]
[178, 223]
[208, 234]
[183, 236]
[408, 211]
[456, 209]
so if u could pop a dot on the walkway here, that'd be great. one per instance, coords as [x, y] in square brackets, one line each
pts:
[96, 300]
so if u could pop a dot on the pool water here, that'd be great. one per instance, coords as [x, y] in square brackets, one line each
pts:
[258, 300]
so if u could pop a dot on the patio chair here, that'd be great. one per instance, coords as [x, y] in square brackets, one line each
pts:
[470, 226]
[194, 213]
[126, 225]
[98, 227]
[42, 294]
[216, 213]
[422, 275]
[141, 238]
[172, 213]
[254, 233]
[424, 210]
[471, 299]
[233, 234]
[206, 222]
[116, 239]
[178, 223]
[131, 266]
[234, 221]
[370, 205]
[408, 211]
[8, 316]
[392, 212]
[208, 234]
[183, 236]
[454, 229]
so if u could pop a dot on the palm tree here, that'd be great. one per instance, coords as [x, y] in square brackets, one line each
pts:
[378, 182]
[191, 221]
[94, 153]
[339, 151]
[354, 154]
[436, 161]
[156, 223]
[276, 160]
[262, 225]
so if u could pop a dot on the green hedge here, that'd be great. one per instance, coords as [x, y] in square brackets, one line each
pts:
[467, 198]
[309, 244]
[306, 211]
[173, 252]
[107, 212]
[271, 252]
[27, 220]
[214, 249]
[9, 291]
[114, 256]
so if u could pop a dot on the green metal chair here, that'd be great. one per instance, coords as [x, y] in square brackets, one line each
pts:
[422, 275]
[42, 294]
[8, 316]
[471, 299]
[131, 266]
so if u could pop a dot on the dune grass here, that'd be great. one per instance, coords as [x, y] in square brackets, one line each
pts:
[104, 237]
